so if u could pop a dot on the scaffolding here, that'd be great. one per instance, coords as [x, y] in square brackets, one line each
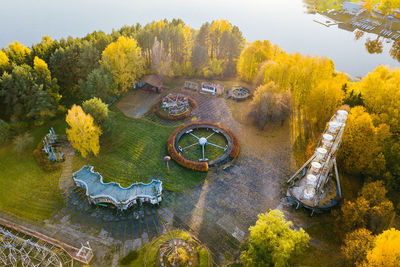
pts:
[17, 249]
[313, 186]
[20, 246]
[50, 146]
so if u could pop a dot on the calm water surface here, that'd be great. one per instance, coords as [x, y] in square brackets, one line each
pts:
[283, 22]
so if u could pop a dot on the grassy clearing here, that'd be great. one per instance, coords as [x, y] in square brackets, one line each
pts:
[26, 190]
[195, 153]
[134, 152]
[148, 253]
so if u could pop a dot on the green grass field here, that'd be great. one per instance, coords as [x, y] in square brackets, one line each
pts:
[210, 152]
[25, 189]
[134, 152]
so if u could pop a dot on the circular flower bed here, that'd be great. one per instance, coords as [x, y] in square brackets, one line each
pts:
[175, 107]
[218, 142]
[178, 252]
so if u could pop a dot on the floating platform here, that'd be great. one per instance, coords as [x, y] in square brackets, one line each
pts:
[122, 198]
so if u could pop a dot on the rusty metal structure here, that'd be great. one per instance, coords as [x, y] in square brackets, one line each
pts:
[313, 186]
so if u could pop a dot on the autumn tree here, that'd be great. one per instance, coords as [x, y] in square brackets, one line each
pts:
[395, 50]
[371, 210]
[97, 109]
[124, 61]
[368, 6]
[270, 104]
[83, 134]
[374, 46]
[45, 48]
[386, 250]
[324, 99]
[160, 59]
[253, 55]
[272, 241]
[4, 62]
[28, 93]
[388, 6]
[381, 95]
[297, 73]
[43, 77]
[356, 245]
[218, 28]
[199, 58]
[17, 53]
[359, 146]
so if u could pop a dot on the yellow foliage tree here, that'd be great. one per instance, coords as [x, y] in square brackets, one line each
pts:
[324, 99]
[381, 95]
[388, 6]
[298, 73]
[218, 27]
[41, 67]
[368, 5]
[356, 244]
[17, 52]
[83, 134]
[386, 251]
[124, 60]
[359, 146]
[4, 61]
[273, 241]
[252, 56]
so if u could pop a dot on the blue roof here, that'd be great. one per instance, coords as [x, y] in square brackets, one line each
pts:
[96, 188]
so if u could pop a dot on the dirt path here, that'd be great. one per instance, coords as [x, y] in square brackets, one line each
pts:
[65, 178]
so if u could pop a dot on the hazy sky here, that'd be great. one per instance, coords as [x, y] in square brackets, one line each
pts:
[283, 22]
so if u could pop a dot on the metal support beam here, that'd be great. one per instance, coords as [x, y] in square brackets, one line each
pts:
[337, 178]
[302, 167]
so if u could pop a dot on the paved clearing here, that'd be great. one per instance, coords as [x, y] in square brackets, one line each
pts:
[137, 102]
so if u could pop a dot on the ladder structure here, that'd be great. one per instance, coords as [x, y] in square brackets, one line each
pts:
[20, 246]
[313, 185]
[21, 250]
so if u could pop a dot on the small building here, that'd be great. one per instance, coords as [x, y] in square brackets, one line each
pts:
[191, 86]
[212, 88]
[351, 8]
[151, 83]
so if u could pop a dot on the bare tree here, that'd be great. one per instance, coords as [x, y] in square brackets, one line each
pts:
[270, 104]
[160, 59]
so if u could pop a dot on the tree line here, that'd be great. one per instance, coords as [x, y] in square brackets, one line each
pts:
[39, 81]
[309, 88]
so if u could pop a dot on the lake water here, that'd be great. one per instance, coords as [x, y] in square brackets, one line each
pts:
[283, 22]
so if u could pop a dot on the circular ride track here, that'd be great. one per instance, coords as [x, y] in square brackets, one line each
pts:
[175, 107]
[239, 93]
[201, 145]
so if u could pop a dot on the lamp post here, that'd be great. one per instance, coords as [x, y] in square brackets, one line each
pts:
[166, 160]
